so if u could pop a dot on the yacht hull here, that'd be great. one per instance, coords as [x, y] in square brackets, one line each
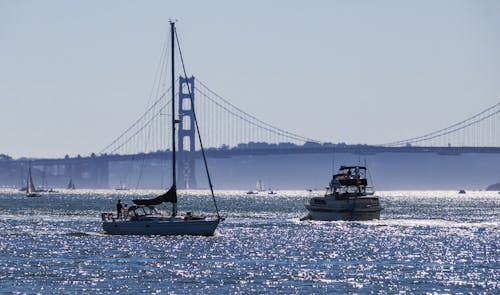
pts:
[163, 228]
[360, 209]
[332, 215]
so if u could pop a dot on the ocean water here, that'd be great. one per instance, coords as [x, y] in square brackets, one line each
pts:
[436, 242]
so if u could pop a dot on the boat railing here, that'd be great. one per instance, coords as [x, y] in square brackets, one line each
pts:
[108, 216]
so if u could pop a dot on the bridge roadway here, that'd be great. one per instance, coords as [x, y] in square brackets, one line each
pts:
[222, 153]
[93, 171]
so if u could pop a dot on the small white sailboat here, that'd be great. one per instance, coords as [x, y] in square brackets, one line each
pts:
[259, 187]
[30, 187]
[121, 187]
[142, 218]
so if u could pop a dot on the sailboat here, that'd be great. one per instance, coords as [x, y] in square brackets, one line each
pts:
[71, 185]
[122, 187]
[44, 188]
[142, 218]
[30, 187]
[259, 187]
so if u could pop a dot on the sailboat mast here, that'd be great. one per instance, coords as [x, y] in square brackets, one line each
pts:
[172, 50]
[174, 121]
[28, 189]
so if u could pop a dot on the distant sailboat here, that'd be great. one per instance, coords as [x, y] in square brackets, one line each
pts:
[122, 187]
[259, 186]
[30, 187]
[71, 185]
[44, 187]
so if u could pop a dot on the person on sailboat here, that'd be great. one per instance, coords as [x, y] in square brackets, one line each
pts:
[125, 211]
[119, 208]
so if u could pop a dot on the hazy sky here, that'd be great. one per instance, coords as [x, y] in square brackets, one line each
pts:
[74, 74]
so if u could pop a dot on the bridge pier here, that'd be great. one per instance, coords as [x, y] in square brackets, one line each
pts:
[90, 172]
[186, 134]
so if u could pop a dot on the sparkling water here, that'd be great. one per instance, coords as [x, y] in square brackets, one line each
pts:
[426, 242]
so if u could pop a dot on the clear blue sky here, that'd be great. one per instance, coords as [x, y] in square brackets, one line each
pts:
[74, 74]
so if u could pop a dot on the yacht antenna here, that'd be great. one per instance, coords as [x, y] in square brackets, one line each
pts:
[333, 161]
[369, 174]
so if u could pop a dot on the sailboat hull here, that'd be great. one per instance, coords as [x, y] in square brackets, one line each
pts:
[167, 227]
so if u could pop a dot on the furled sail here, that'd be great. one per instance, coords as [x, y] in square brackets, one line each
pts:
[169, 196]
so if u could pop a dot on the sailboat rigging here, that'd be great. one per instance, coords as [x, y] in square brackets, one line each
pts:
[142, 218]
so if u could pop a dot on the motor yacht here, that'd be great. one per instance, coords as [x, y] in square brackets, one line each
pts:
[348, 197]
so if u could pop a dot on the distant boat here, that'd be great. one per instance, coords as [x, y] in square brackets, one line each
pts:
[461, 191]
[71, 185]
[122, 187]
[30, 187]
[44, 188]
[259, 186]
[271, 192]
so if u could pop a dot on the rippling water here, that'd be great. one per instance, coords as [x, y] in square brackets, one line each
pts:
[435, 242]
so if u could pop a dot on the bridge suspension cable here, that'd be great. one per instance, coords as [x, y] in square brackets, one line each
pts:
[222, 124]
[121, 139]
[239, 113]
[481, 129]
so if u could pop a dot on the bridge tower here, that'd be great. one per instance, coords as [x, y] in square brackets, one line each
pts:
[186, 134]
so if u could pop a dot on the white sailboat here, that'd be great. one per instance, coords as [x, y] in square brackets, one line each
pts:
[30, 187]
[142, 218]
[121, 187]
[259, 187]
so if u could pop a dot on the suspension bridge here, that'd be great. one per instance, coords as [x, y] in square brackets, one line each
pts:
[228, 130]
[225, 126]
